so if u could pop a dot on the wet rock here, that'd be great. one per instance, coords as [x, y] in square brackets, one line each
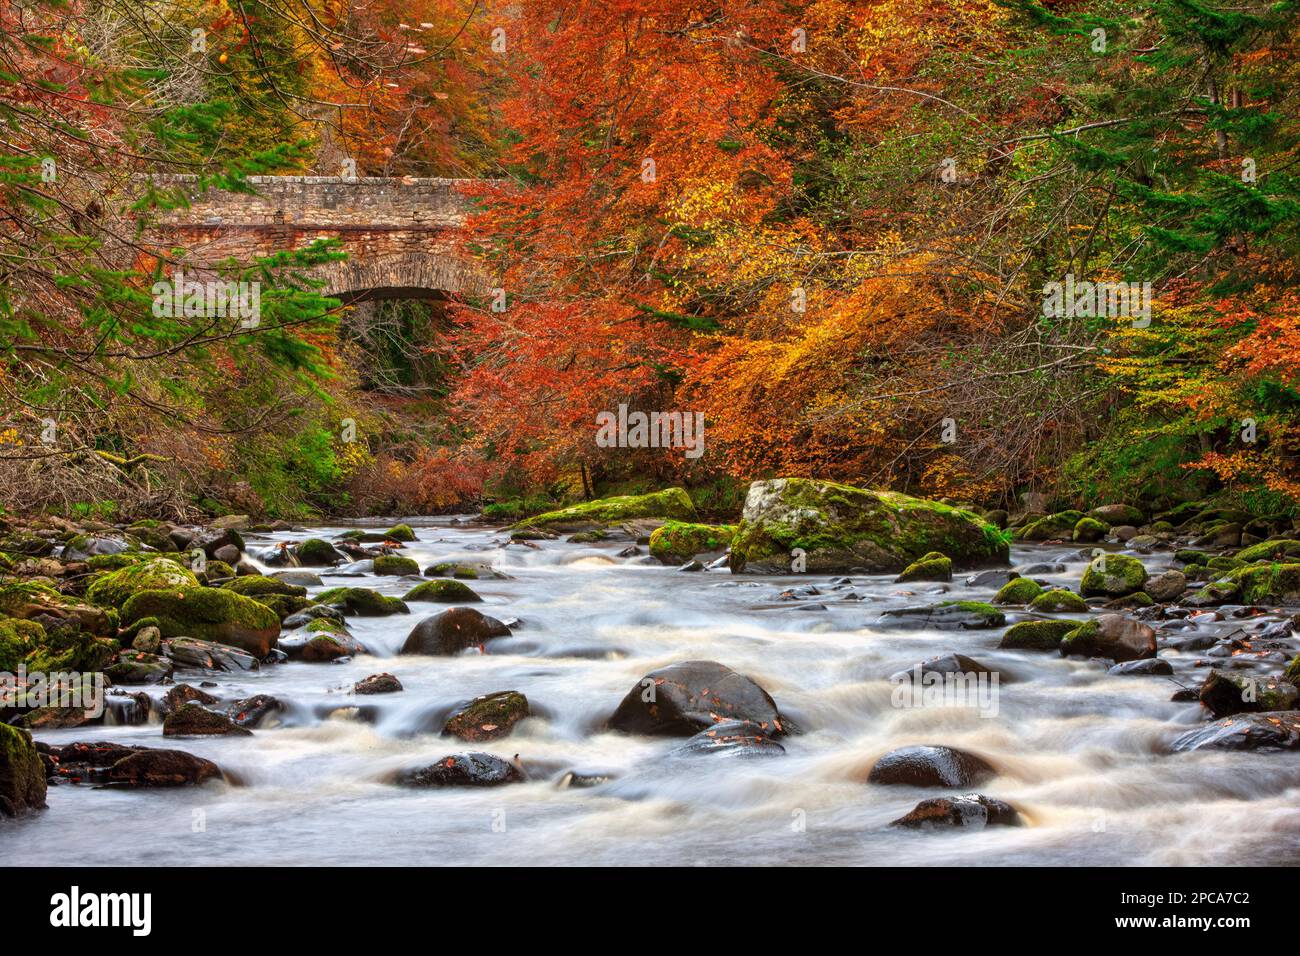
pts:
[442, 591]
[691, 566]
[394, 565]
[1118, 514]
[253, 711]
[312, 613]
[322, 648]
[302, 579]
[731, 738]
[1113, 636]
[685, 698]
[465, 770]
[1018, 591]
[147, 640]
[317, 553]
[212, 540]
[22, 774]
[208, 655]
[1113, 575]
[1224, 694]
[210, 614]
[602, 513]
[378, 684]
[989, 579]
[194, 720]
[130, 709]
[931, 767]
[1152, 666]
[488, 717]
[362, 602]
[930, 567]
[1059, 600]
[948, 616]
[453, 631]
[1036, 635]
[968, 810]
[678, 542]
[581, 780]
[943, 664]
[134, 667]
[1265, 731]
[468, 571]
[160, 768]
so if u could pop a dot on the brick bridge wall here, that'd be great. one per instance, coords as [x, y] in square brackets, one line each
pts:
[397, 232]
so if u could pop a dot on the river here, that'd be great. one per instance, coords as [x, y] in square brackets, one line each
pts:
[1083, 755]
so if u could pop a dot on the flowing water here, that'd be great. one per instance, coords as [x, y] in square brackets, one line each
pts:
[1083, 755]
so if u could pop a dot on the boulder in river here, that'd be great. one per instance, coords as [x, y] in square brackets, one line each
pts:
[943, 664]
[394, 565]
[684, 698]
[317, 553]
[362, 602]
[452, 631]
[1113, 575]
[377, 684]
[22, 775]
[114, 588]
[1058, 600]
[253, 711]
[1166, 586]
[208, 655]
[122, 766]
[195, 720]
[731, 738]
[676, 542]
[968, 810]
[1113, 636]
[1224, 693]
[1149, 667]
[465, 770]
[1274, 730]
[931, 566]
[209, 614]
[442, 591]
[947, 616]
[672, 503]
[925, 766]
[824, 526]
[488, 717]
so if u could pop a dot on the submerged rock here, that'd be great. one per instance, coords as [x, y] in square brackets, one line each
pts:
[465, 770]
[685, 698]
[968, 810]
[1266, 731]
[453, 631]
[950, 615]
[931, 767]
[119, 765]
[488, 717]
[731, 738]
[378, 684]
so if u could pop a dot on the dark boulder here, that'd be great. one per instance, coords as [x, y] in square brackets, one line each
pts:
[452, 631]
[931, 767]
[465, 770]
[22, 773]
[195, 720]
[160, 768]
[378, 684]
[1224, 694]
[488, 717]
[731, 738]
[1266, 731]
[253, 711]
[968, 810]
[685, 698]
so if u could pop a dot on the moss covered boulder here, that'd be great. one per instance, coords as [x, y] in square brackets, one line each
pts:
[1118, 514]
[1089, 529]
[1112, 636]
[32, 600]
[672, 503]
[209, 614]
[489, 717]
[317, 553]
[1270, 551]
[929, 567]
[1113, 575]
[829, 527]
[22, 775]
[258, 586]
[113, 589]
[400, 532]
[1059, 525]
[362, 601]
[1269, 584]
[395, 565]
[1059, 599]
[1224, 693]
[1036, 635]
[1018, 591]
[442, 591]
[676, 542]
[18, 638]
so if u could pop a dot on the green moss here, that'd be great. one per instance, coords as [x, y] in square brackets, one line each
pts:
[393, 564]
[1122, 575]
[18, 638]
[327, 625]
[678, 541]
[22, 773]
[932, 566]
[582, 537]
[362, 601]
[400, 532]
[1292, 672]
[68, 648]
[1017, 591]
[442, 592]
[1270, 584]
[1059, 599]
[114, 588]
[990, 616]
[1269, 551]
[514, 509]
[1225, 563]
[671, 503]
[1081, 638]
[453, 569]
[315, 552]
[1188, 556]
[1089, 529]
[210, 614]
[257, 585]
[1059, 525]
[1036, 635]
[115, 562]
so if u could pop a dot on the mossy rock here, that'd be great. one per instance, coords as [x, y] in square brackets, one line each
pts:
[18, 638]
[672, 503]
[1060, 600]
[317, 553]
[489, 717]
[930, 567]
[676, 542]
[1190, 556]
[395, 565]
[1270, 584]
[284, 605]
[442, 591]
[114, 588]
[22, 773]
[513, 509]
[115, 562]
[327, 625]
[1270, 551]
[209, 614]
[1087, 530]
[1018, 591]
[1122, 575]
[453, 569]
[400, 532]
[1118, 514]
[362, 602]
[68, 648]
[219, 571]
[29, 599]
[1292, 672]
[257, 585]
[1059, 525]
[837, 527]
[1224, 562]
[583, 537]
[1036, 635]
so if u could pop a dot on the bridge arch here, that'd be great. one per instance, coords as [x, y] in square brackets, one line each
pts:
[412, 275]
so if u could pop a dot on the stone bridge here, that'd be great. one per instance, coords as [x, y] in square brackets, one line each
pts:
[398, 233]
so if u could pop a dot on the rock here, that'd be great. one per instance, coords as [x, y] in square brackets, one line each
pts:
[943, 664]
[329, 644]
[230, 522]
[453, 631]
[1059, 600]
[691, 566]
[672, 503]
[212, 540]
[195, 720]
[1138, 599]
[990, 579]
[1151, 666]
[1113, 575]
[931, 767]
[1224, 694]
[838, 528]
[182, 694]
[687, 697]
[227, 554]
[362, 602]
[950, 615]
[378, 684]
[303, 579]
[137, 667]
[1124, 532]
[488, 717]
[207, 655]
[1118, 514]
[114, 588]
[209, 614]
[160, 768]
[400, 532]
[1166, 586]
[258, 586]
[317, 553]
[314, 612]
[1278, 730]
[22, 774]
[1270, 584]
[1036, 635]
[34, 601]
[1276, 551]
[253, 711]
[442, 591]
[731, 738]
[582, 780]
[968, 810]
[1111, 635]
[87, 546]
[1089, 529]
[465, 770]
[147, 640]
[676, 542]
[395, 565]
[930, 567]
[1051, 527]
[1018, 591]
